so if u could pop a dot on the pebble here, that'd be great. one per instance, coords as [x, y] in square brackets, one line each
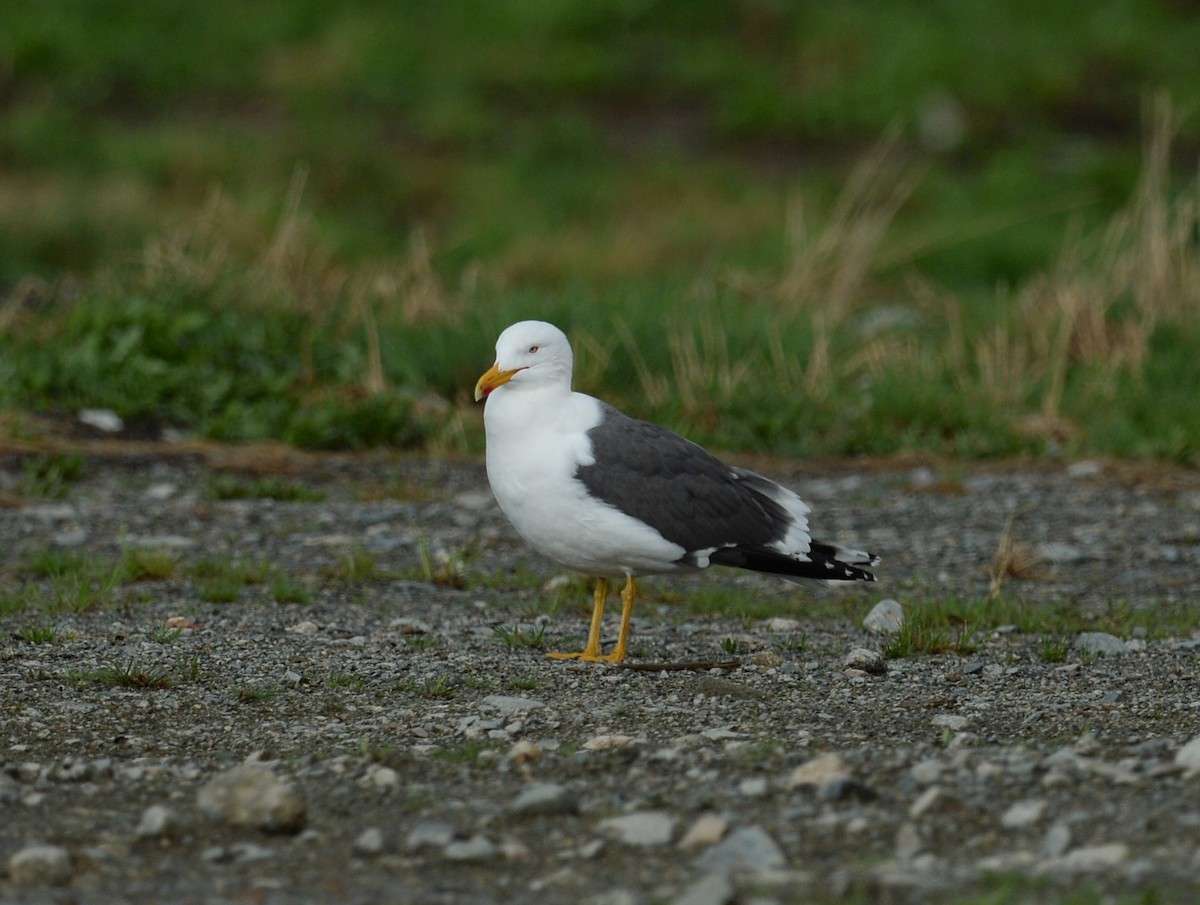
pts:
[952, 721]
[429, 834]
[818, 772]
[251, 795]
[1023, 814]
[544, 799]
[753, 787]
[40, 865]
[607, 742]
[1086, 859]
[750, 849]
[885, 618]
[384, 778]
[477, 848]
[712, 889]
[507, 704]
[933, 800]
[1056, 841]
[369, 841]
[1101, 643]
[1188, 756]
[1058, 552]
[708, 829]
[157, 821]
[640, 829]
[869, 661]
[105, 420]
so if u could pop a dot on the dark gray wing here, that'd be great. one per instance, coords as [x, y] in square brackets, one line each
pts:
[687, 495]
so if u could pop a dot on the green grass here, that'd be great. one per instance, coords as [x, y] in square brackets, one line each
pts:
[222, 581]
[518, 637]
[51, 474]
[286, 589]
[308, 224]
[436, 688]
[130, 674]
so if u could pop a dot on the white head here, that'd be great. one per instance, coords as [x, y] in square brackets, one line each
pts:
[529, 353]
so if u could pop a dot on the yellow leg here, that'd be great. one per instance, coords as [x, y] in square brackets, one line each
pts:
[591, 651]
[627, 594]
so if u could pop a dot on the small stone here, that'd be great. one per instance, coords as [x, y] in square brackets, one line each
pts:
[766, 659]
[712, 889]
[908, 841]
[385, 778]
[1188, 756]
[927, 771]
[869, 661]
[369, 841]
[429, 834]
[1056, 841]
[615, 896]
[1023, 814]
[951, 721]
[40, 865]
[754, 787]
[607, 742]
[544, 799]
[251, 795]
[1100, 643]
[818, 772]
[105, 420]
[507, 704]
[933, 799]
[1057, 552]
[1088, 468]
[749, 849]
[158, 821]
[477, 848]
[885, 618]
[642, 829]
[410, 625]
[524, 751]
[1087, 859]
[304, 628]
[709, 829]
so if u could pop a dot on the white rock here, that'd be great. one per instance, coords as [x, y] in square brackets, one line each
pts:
[381, 777]
[607, 742]
[477, 848]
[102, 419]
[506, 704]
[1087, 859]
[818, 772]
[927, 771]
[369, 841]
[1088, 468]
[1188, 756]
[40, 865]
[1023, 814]
[952, 721]
[157, 821]
[885, 618]
[429, 834]
[908, 841]
[544, 798]
[749, 849]
[251, 795]
[870, 661]
[709, 829]
[1100, 643]
[1056, 841]
[1057, 552]
[712, 889]
[642, 828]
[933, 799]
[754, 787]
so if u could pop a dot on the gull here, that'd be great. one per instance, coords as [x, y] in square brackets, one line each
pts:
[617, 498]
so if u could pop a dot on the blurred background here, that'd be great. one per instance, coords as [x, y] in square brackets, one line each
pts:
[966, 228]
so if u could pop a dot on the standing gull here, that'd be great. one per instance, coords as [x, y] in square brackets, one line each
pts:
[614, 497]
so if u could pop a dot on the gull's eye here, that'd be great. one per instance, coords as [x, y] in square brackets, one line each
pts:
[532, 349]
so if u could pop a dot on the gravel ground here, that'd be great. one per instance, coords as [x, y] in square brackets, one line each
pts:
[391, 740]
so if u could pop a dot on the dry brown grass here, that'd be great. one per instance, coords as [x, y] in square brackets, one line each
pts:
[830, 265]
[1013, 559]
